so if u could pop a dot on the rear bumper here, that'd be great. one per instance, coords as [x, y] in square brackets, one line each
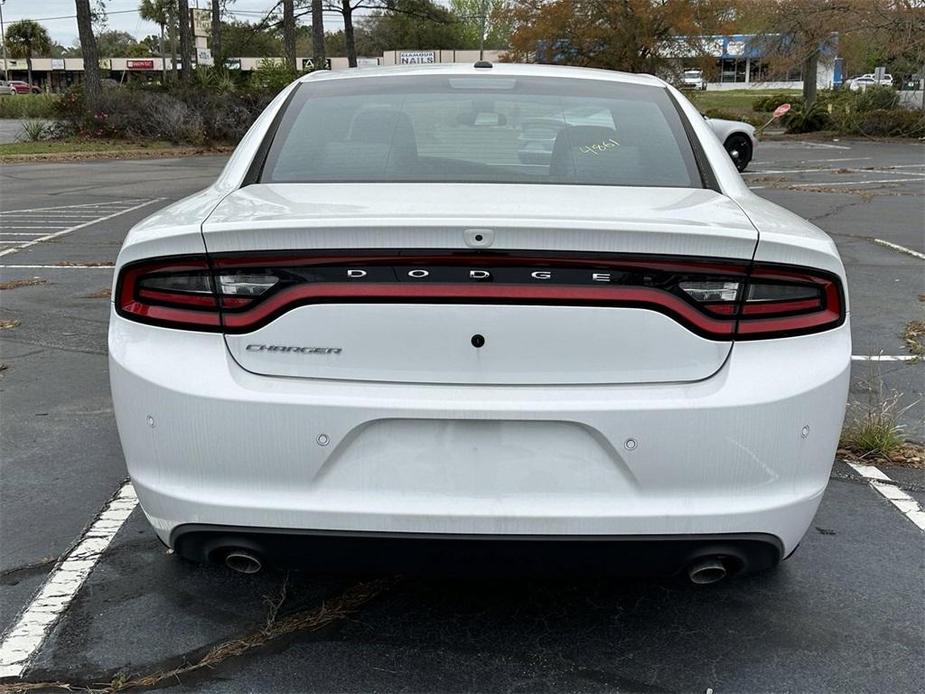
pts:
[474, 554]
[209, 443]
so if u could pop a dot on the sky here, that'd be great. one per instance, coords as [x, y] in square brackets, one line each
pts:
[58, 16]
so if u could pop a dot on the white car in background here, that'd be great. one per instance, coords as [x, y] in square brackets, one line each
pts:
[861, 83]
[738, 138]
[380, 328]
[693, 79]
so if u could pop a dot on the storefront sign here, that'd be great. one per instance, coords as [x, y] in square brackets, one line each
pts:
[139, 64]
[202, 22]
[309, 64]
[204, 57]
[57, 63]
[233, 64]
[417, 57]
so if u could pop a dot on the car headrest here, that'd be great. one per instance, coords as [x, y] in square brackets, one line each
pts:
[587, 153]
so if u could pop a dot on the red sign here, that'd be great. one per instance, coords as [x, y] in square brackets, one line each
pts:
[781, 110]
[139, 64]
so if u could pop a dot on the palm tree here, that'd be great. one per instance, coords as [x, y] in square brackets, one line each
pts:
[157, 11]
[92, 87]
[25, 38]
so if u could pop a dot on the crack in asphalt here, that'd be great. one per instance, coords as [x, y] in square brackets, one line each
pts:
[312, 619]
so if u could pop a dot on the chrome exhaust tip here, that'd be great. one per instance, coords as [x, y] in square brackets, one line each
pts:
[706, 571]
[243, 562]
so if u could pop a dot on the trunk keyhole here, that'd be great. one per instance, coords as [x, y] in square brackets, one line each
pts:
[478, 341]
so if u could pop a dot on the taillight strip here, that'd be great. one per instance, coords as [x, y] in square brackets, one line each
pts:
[163, 301]
[653, 299]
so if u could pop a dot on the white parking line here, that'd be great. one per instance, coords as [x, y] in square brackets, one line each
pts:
[884, 357]
[74, 207]
[22, 233]
[75, 266]
[882, 483]
[21, 643]
[855, 183]
[68, 230]
[901, 249]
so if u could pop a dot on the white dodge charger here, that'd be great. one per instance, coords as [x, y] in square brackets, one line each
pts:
[383, 324]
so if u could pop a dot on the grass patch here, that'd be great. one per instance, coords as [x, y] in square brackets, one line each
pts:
[16, 284]
[78, 149]
[872, 429]
[29, 106]
[914, 338]
[100, 294]
[733, 100]
[70, 146]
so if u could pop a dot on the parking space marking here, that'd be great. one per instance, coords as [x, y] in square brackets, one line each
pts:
[22, 642]
[855, 183]
[78, 206]
[887, 488]
[108, 213]
[884, 357]
[901, 249]
[74, 266]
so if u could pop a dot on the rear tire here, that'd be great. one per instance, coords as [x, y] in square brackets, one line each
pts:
[739, 148]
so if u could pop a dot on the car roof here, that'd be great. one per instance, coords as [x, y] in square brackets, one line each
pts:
[506, 69]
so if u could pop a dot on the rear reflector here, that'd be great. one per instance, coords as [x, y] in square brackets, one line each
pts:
[720, 300]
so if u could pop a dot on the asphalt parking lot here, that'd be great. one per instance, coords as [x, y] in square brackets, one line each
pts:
[845, 613]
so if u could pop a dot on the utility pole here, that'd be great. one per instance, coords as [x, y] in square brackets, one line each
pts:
[6, 69]
[482, 8]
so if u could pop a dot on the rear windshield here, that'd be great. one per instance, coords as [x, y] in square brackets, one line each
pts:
[481, 129]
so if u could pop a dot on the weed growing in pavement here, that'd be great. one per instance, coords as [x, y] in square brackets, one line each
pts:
[872, 428]
[34, 131]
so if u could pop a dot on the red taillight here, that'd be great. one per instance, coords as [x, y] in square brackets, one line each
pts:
[720, 300]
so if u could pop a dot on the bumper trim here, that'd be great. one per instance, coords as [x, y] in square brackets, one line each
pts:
[456, 554]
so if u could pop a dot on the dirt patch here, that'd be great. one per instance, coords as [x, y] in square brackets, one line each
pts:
[84, 263]
[914, 338]
[16, 284]
[908, 455]
[100, 294]
[114, 154]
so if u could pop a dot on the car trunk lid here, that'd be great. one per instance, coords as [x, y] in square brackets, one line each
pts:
[481, 314]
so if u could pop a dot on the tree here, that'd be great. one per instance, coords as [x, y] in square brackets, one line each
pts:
[244, 38]
[26, 37]
[113, 44]
[384, 31]
[487, 21]
[186, 40]
[217, 54]
[92, 87]
[418, 20]
[318, 56]
[289, 33]
[157, 11]
[798, 33]
[631, 35]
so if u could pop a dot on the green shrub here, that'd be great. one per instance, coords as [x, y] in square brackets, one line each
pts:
[876, 99]
[272, 76]
[890, 123]
[802, 120]
[751, 118]
[766, 104]
[183, 114]
[34, 131]
[28, 106]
